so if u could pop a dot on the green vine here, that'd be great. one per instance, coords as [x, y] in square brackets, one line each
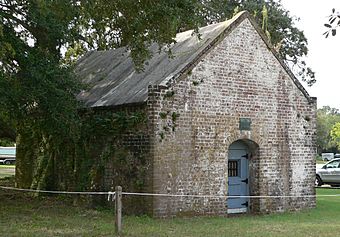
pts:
[163, 115]
[195, 83]
[77, 160]
[169, 94]
[174, 116]
[106, 130]
[161, 135]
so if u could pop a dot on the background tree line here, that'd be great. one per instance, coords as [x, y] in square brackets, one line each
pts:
[328, 130]
[329, 118]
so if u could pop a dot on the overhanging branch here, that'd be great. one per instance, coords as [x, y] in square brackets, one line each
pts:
[6, 131]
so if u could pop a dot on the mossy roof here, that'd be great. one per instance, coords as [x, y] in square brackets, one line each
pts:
[113, 79]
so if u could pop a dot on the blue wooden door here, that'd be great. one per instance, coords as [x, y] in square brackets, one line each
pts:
[238, 177]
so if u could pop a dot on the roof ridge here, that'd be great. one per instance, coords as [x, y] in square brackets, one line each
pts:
[229, 25]
[120, 84]
[232, 24]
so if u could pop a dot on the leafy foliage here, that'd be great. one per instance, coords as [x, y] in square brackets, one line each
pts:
[134, 24]
[37, 85]
[101, 135]
[326, 119]
[333, 24]
[289, 41]
[6, 142]
[335, 134]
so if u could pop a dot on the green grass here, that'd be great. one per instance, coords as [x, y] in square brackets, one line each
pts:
[6, 166]
[321, 221]
[320, 162]
[6, 171]
[24, 215]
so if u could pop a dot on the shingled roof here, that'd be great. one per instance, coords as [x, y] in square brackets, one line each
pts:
[114, 81]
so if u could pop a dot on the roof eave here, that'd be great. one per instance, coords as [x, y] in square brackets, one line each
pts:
[240, 17]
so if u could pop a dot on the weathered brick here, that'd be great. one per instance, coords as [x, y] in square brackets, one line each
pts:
[238, 78]
[194, 119]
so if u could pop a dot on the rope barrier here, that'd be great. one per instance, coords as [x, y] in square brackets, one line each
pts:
[54, 192]
[217, 196]
[112, 195]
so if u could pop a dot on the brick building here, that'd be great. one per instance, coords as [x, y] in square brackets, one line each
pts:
[225, 116]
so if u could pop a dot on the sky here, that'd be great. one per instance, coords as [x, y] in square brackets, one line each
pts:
[323, 55]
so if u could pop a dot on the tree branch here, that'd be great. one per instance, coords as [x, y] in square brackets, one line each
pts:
[17, 20]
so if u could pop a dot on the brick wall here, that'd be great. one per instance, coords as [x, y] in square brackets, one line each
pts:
[195, 119]
[129, 163]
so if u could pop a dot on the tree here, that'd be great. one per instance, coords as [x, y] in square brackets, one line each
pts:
[333, 23]
[335, 134]
[38, 87]
[6, 142]
[138, 16]
[327, 117]
[289, 41]
[37, 84]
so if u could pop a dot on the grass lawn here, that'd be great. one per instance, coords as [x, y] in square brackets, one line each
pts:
[24, 215]
[6, 170]
[320, 162]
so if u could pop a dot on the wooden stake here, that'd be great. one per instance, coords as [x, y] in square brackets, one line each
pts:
[118, 210]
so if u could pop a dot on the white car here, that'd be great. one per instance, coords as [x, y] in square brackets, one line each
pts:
[329, 173]
[7, 155]
[327, 156]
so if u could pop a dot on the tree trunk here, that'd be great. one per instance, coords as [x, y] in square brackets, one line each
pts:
[25, 159]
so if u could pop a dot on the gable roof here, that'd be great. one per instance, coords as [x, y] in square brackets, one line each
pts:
[114, 81]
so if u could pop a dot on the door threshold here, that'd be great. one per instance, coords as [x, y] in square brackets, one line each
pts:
[237, 210]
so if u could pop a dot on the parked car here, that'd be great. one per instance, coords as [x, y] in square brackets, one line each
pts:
[327, 156]
[7, 155]
[328, 173]
[8, 161]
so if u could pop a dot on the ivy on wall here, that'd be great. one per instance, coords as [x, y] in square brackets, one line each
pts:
[76, 161]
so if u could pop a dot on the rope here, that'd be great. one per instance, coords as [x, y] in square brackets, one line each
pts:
[55, 192]
[112, 195]
[228, 196]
